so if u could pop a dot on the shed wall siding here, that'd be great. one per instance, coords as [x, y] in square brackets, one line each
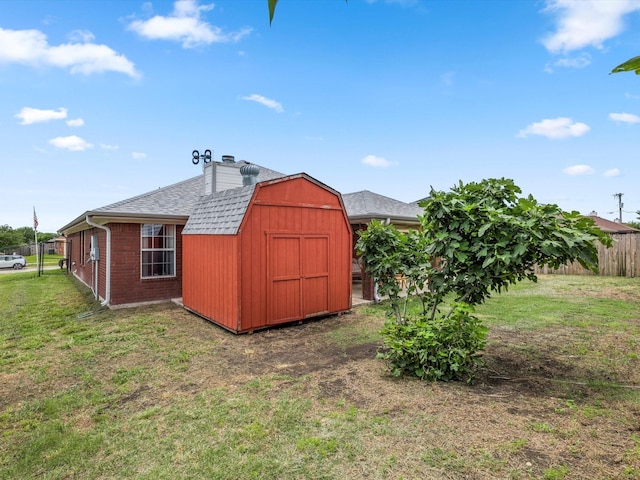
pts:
[210, 277]
[298, 207]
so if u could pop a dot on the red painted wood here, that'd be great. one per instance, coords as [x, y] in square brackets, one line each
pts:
[210, 277]
[290, 260]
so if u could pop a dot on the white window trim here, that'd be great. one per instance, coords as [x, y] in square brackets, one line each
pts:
[142, 249]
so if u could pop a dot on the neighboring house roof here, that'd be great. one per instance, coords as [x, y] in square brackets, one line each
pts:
[171, 203]
[609, 226]
[366, 205]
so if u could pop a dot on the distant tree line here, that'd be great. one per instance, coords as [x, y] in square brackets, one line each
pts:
[10, 237]
[635, 223]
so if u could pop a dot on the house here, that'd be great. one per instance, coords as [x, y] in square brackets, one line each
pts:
[131, 251]
[364, 206]
[137, 250]
[609, 226]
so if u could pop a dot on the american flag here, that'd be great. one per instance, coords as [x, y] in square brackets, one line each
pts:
[35, 219]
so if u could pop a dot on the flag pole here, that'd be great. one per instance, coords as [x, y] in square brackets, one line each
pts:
[35, 232]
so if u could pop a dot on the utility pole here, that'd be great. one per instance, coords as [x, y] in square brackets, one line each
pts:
[620, 205]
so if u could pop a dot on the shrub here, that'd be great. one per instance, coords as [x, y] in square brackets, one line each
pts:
[443, 348]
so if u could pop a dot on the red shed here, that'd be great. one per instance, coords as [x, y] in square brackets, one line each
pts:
[267, 253]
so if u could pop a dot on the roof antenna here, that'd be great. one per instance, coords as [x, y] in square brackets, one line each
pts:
[205, 157]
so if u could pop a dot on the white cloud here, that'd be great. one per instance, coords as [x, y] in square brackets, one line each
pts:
[185, 25]
[556, 128]
[585, 23]
[375, 161]
[76, 122]
[613, 172]
[138, 155]
[30, 47]
[581, 61]
[30, 115]
[624, 117]
[631, 96]
[72, 143]
[81, 36]
[267, 102]
[105, 146]
[575, 170]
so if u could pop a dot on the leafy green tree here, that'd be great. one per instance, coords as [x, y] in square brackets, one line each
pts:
[477, 239]
[635, 223]
[272, 9]
[631, 65]
[27, 234]
[9, 237]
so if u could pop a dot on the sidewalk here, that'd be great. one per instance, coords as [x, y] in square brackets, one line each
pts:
[28, 268]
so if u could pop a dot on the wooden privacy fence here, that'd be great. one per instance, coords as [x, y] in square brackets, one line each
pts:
[621, 260]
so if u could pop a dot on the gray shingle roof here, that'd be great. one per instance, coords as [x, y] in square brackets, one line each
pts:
[366, 204]
[220, 213]
[174, 201]
[177, 199]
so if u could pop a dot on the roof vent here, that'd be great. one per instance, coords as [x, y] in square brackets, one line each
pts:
[228, 159]
[249, 174]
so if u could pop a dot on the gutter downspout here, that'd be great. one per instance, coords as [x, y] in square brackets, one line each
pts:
[107, 288]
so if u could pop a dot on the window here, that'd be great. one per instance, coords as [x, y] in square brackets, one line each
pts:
[158, 250]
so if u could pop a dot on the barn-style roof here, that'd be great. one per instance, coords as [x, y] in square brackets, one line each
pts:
[365, 205]
[220, 213]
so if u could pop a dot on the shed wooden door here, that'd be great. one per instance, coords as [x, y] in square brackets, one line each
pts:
[298, 276]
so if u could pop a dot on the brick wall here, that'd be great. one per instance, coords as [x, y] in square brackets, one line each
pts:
[81, 267]
[126, 284]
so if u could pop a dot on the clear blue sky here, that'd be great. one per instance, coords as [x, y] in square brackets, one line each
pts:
[104, 100]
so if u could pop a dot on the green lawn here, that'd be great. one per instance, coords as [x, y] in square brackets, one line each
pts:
[155, 392]
[48, 260]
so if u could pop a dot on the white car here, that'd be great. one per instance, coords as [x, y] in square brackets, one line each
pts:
[12, 261]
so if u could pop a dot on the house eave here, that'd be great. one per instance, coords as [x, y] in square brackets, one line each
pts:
[104, 218]
[364, 219]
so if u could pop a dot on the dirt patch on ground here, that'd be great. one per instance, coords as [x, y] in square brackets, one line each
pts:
[543, 401]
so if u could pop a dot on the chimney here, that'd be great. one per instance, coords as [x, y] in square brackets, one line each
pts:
[219, 176]
[209, 178]
[593, 213]
[249, 174]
